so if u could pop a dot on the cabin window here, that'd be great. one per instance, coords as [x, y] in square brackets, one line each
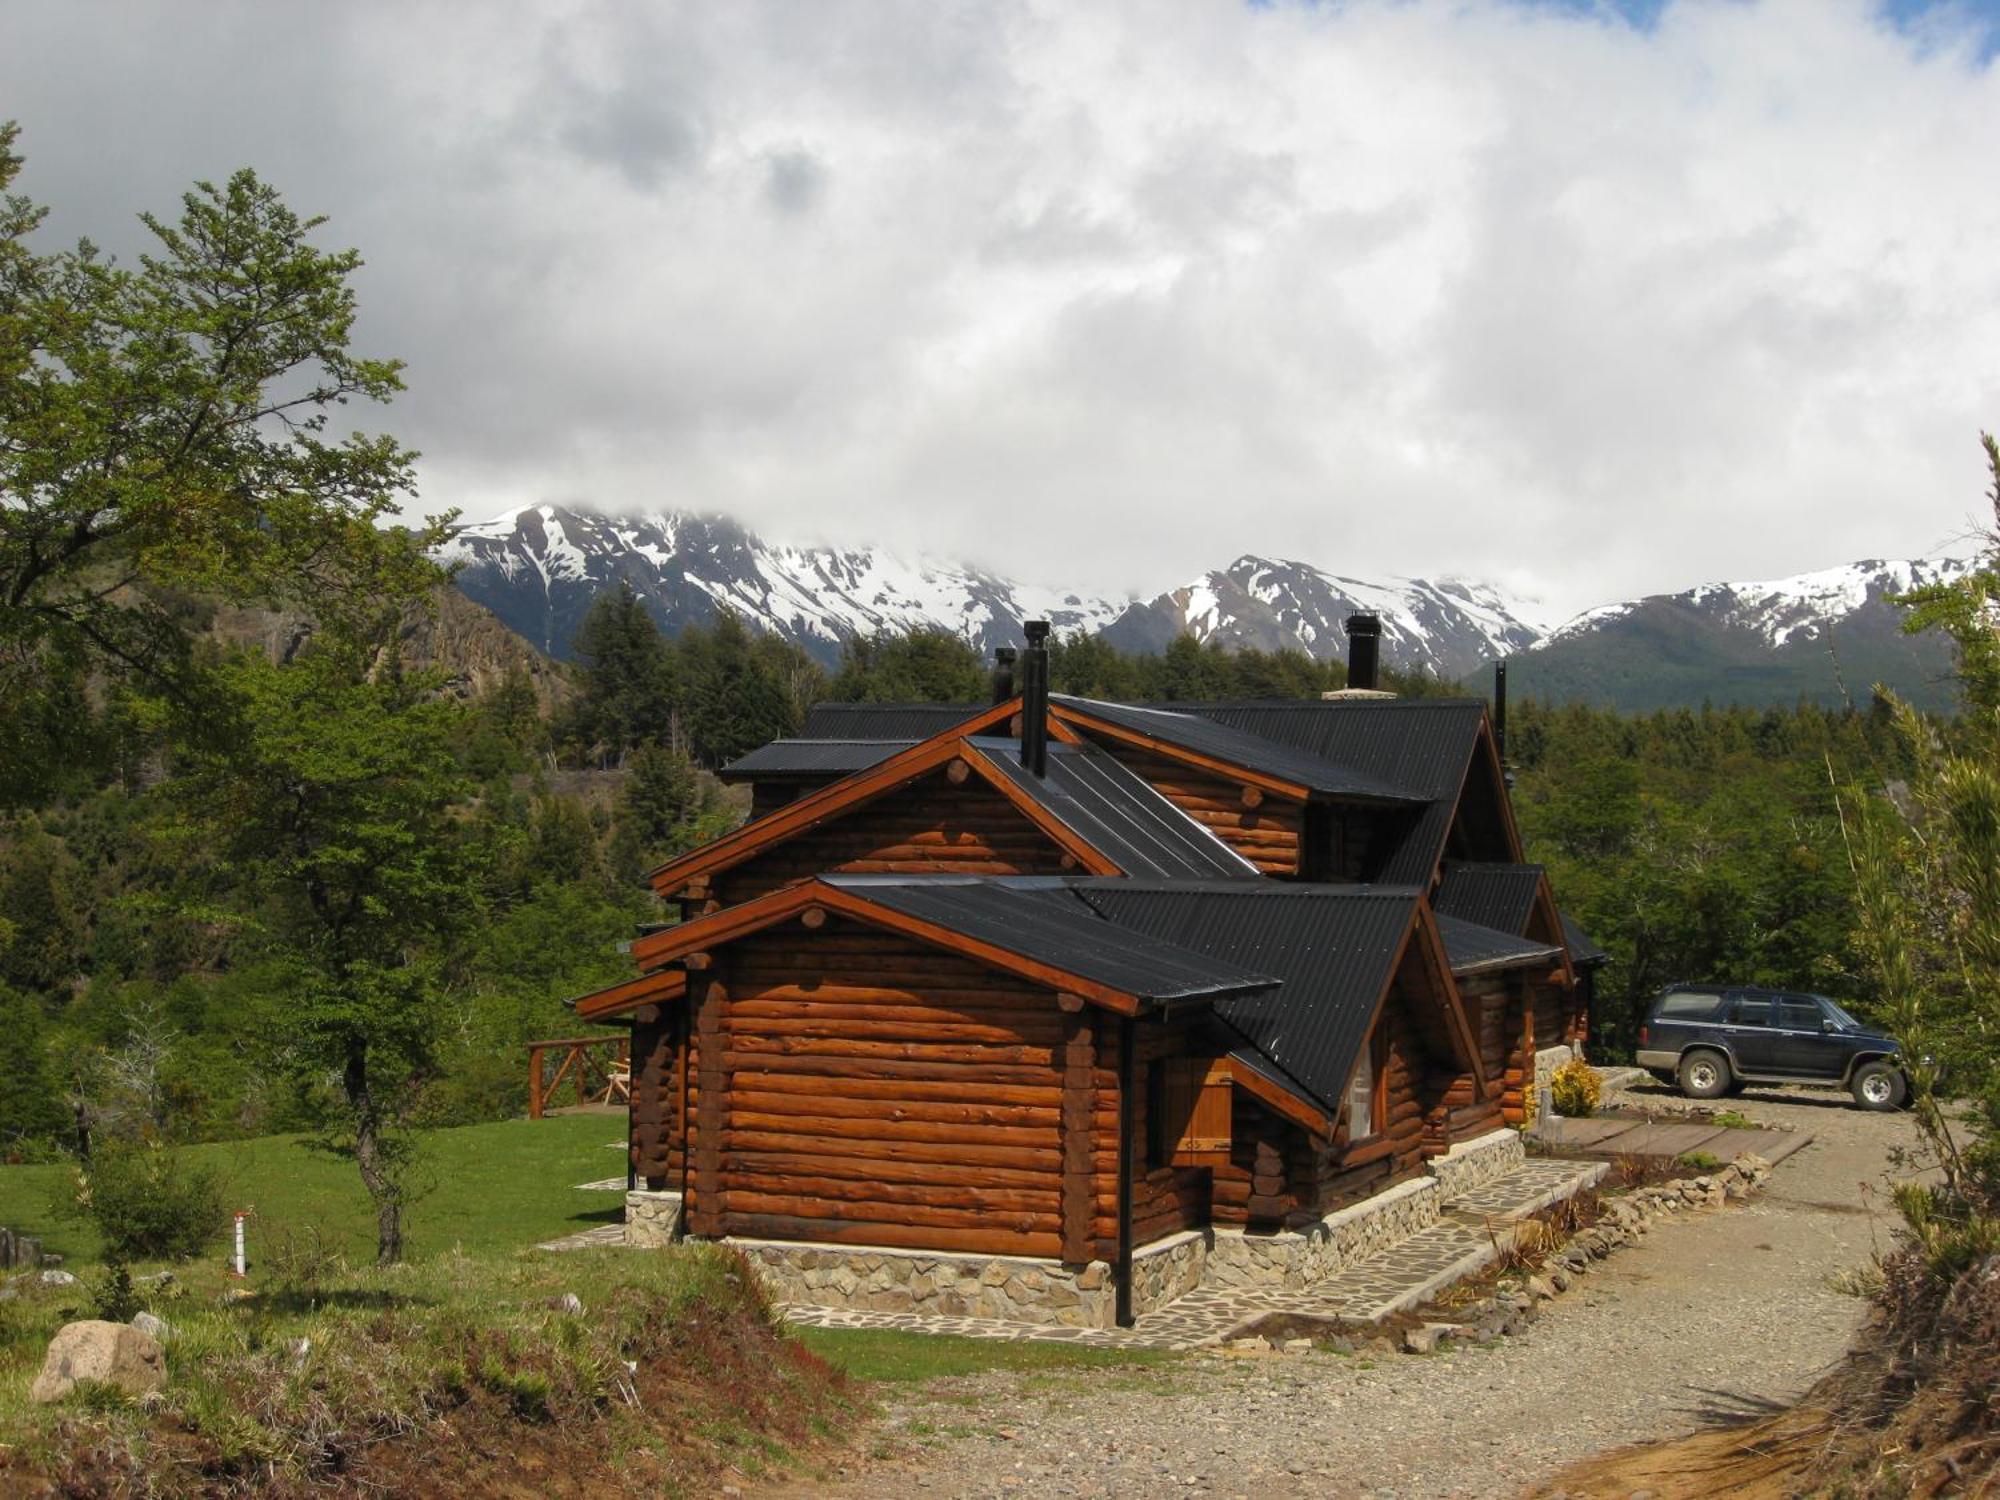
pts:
[1159, 1119]
[1366, 1094]
[1188, 1103]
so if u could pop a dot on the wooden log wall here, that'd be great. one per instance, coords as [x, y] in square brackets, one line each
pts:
[1280, 1175]
[856, 1087]
[1501, 1011]
[1552, 1019]
[1269, 835]
[659, 1058]
[929, 827]
[1165, 1199]
[769, 796]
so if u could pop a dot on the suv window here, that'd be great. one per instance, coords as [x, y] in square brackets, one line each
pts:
[1752, 1010]
[1685, 1005]
[1799, 1015]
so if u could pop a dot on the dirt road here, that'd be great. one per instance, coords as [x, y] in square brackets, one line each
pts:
[1717, 1316]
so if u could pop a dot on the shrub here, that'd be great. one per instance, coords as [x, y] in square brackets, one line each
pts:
[148, 1202]
[301, 1264]
[116, 1299]
[1574, 1089]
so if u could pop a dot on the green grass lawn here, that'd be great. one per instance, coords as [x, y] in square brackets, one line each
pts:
[494, 1188]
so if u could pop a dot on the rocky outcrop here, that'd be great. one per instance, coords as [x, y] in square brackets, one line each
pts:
[464, 640]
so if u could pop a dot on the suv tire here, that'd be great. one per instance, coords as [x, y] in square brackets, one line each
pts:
[1878, 1085]
[1704, 1074]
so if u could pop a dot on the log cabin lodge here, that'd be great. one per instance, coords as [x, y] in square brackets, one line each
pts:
[1055, 1009]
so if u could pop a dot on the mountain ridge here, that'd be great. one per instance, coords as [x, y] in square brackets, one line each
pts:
[1824, 634]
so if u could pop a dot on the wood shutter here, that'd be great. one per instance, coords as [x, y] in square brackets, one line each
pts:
[1198, 1101]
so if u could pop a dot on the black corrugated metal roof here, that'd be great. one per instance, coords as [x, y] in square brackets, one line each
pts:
[1421, 744]
[1052, 927]
[1584, 953]
[782, 759]
[1223, 742]
[1493, 895]
[1333, 947]
[1473, 949]
[884, 721]
[1117, 813]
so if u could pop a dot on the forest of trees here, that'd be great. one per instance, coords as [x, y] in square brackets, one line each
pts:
[241, 895]
[138, 953]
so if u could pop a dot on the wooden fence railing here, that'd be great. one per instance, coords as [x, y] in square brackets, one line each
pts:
[599, 1068]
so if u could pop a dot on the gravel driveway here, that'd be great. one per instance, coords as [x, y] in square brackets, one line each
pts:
[1719, 1314]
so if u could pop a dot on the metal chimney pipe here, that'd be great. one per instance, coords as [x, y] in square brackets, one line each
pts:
[1003, 674]
[1364, 652]
[1500, 717]
[1035, 698]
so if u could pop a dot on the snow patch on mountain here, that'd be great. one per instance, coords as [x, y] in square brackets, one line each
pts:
[1782, 610]
[537, 567]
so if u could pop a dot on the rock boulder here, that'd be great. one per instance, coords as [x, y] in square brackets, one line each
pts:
[114, 1353]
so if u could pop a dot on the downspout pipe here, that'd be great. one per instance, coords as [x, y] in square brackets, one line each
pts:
[1125, 1144]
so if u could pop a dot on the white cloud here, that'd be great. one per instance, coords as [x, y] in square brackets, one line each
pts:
[1106, 295]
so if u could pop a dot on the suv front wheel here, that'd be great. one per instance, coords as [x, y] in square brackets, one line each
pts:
[1877, 1085]
[1705, 1074]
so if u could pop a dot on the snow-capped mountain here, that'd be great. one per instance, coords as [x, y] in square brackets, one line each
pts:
[1783, 610]
[1829, 636]
[1822, 635]
[538, 568]
[1448, 627]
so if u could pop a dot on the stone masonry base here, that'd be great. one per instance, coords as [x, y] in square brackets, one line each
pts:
[1027, 1290]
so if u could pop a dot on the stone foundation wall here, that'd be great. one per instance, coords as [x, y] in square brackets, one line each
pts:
[1017, 1288]
[1476, 1162]
[1296, 1259]
[1547, 1060]
[1024, 1290]
[1169, 1268]
[652, 1219]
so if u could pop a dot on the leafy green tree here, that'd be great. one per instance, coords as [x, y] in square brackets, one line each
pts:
[630, 691]
[333, 796]
[925, 665]
[31, 1107]
[166, 428]
[46, 929]
[562, 843]
[662, 809]
[1927, 873]
[738, 695]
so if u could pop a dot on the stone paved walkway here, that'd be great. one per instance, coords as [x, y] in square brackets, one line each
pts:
[587, 1239]
[1475, 1229]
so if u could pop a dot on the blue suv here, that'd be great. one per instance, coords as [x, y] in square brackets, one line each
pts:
[1711, 1039]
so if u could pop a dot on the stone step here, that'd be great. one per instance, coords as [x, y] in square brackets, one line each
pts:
[1527, 1189]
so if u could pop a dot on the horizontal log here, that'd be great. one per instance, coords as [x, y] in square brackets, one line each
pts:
[835, 1028]
[885, 1169]
[893, 1088]
[945, 1219]
[899, 1069]
[759, 1047]
[844, 1231]
[1021, 1157]
[801, 980]
[944, 1113]
[893, 1130]
[958, 1197]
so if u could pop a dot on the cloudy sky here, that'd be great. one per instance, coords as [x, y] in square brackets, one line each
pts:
[1585, 299]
